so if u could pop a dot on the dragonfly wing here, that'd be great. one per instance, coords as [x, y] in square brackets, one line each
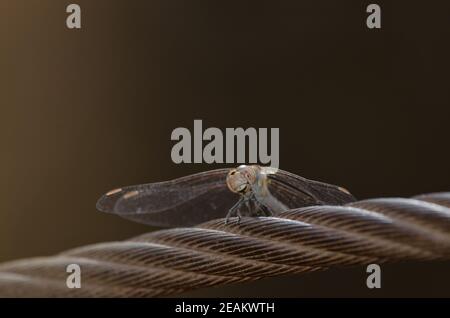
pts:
[295, 191]
[181, 202]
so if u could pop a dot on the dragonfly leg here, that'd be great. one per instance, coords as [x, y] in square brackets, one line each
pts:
[234, 210]
[248, 204]
[261, 209]
[238, 212]
[258, 207]
[266, 210]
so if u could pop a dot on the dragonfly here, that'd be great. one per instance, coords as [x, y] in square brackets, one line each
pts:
[248, 190]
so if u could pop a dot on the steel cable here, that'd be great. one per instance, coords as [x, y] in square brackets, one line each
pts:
[172, 261]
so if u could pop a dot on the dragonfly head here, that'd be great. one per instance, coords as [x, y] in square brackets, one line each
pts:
[241, 179]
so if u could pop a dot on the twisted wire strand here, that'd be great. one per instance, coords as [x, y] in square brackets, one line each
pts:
[172, 261]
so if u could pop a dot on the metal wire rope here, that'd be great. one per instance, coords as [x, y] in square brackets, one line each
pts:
[172, 261]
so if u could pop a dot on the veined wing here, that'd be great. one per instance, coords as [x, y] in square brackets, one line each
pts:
[295, 191]
[184, 201]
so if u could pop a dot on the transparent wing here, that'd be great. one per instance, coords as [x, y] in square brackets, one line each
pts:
[181, 202]
[204, 196]
[295, 191]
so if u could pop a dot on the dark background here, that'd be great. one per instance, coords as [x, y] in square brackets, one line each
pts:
[84, 111]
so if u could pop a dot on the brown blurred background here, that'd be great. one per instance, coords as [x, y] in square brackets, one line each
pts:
[84, 111]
